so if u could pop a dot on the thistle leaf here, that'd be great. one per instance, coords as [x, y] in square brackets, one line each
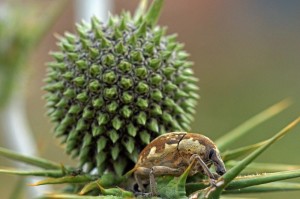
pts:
[106, 180]
[48, 173]
[173, 187]
[233, 172]
[271, 187]
[141, 9]
[256, 183]
[116, 192]
[236, 153]
[255, 167]
[65, 179]
[154, 11]
[35, 161]
[225, 141]
[73, 196]
[247, 181]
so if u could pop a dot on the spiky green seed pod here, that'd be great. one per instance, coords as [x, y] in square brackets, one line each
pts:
[116, 87]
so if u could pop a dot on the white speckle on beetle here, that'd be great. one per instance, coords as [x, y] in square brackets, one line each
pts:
[170, 147]
[152, 152]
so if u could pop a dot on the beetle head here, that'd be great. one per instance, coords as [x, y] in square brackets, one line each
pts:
[215, 157]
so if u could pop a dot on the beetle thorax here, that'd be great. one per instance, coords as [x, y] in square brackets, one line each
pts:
[191, 146]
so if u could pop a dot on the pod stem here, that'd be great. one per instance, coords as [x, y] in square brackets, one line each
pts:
[154, 12]
[141, 9]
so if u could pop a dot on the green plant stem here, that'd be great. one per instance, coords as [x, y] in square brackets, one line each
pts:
[67, 179]
[141, 9]
[25, 37]
[229, 138]
[242, 182]
[271, 187]
[45, 173]
[236, 153]
[153, 13]
[35, 161]
[247, 181]
[256, 167]
[18, 190]
[72, 196]
[106, 180]
[233, 172]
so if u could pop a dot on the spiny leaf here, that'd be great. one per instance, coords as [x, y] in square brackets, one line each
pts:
[236, 153]
[89, 187]
[173, 187]
[48, 173]
[225, 141]
[247, 181]
[106, 180]
[195, 186]
[73, 196]
[263, 188]
[35, 161]
[154, 11]
[255, 167]
[116, 192]
[65, 179]
[233, 172]
[141, 9]
[230, 197]
[271, 187]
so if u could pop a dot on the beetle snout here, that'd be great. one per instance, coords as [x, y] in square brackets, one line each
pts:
[219, 164]
[220, 170]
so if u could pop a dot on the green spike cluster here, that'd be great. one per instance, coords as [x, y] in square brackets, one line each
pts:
[114, 87]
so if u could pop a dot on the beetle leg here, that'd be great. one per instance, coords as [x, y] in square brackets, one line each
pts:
[141, 171]
[216, 176]
[164, 170]
[154, 171]
[152, 183]
[210, 176]
[158, 171]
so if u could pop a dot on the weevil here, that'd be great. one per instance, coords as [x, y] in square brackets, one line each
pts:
[172, 153]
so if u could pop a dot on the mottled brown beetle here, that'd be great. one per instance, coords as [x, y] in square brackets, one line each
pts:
[172, 153]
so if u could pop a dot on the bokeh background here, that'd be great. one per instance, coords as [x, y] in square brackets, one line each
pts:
[247, 57]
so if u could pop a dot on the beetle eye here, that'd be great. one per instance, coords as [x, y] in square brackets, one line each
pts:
[211, 153]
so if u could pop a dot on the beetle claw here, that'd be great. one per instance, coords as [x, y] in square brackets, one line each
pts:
[215, 176]
[212, 182]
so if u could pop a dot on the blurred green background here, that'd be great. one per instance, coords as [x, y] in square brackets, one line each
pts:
[247, 57]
